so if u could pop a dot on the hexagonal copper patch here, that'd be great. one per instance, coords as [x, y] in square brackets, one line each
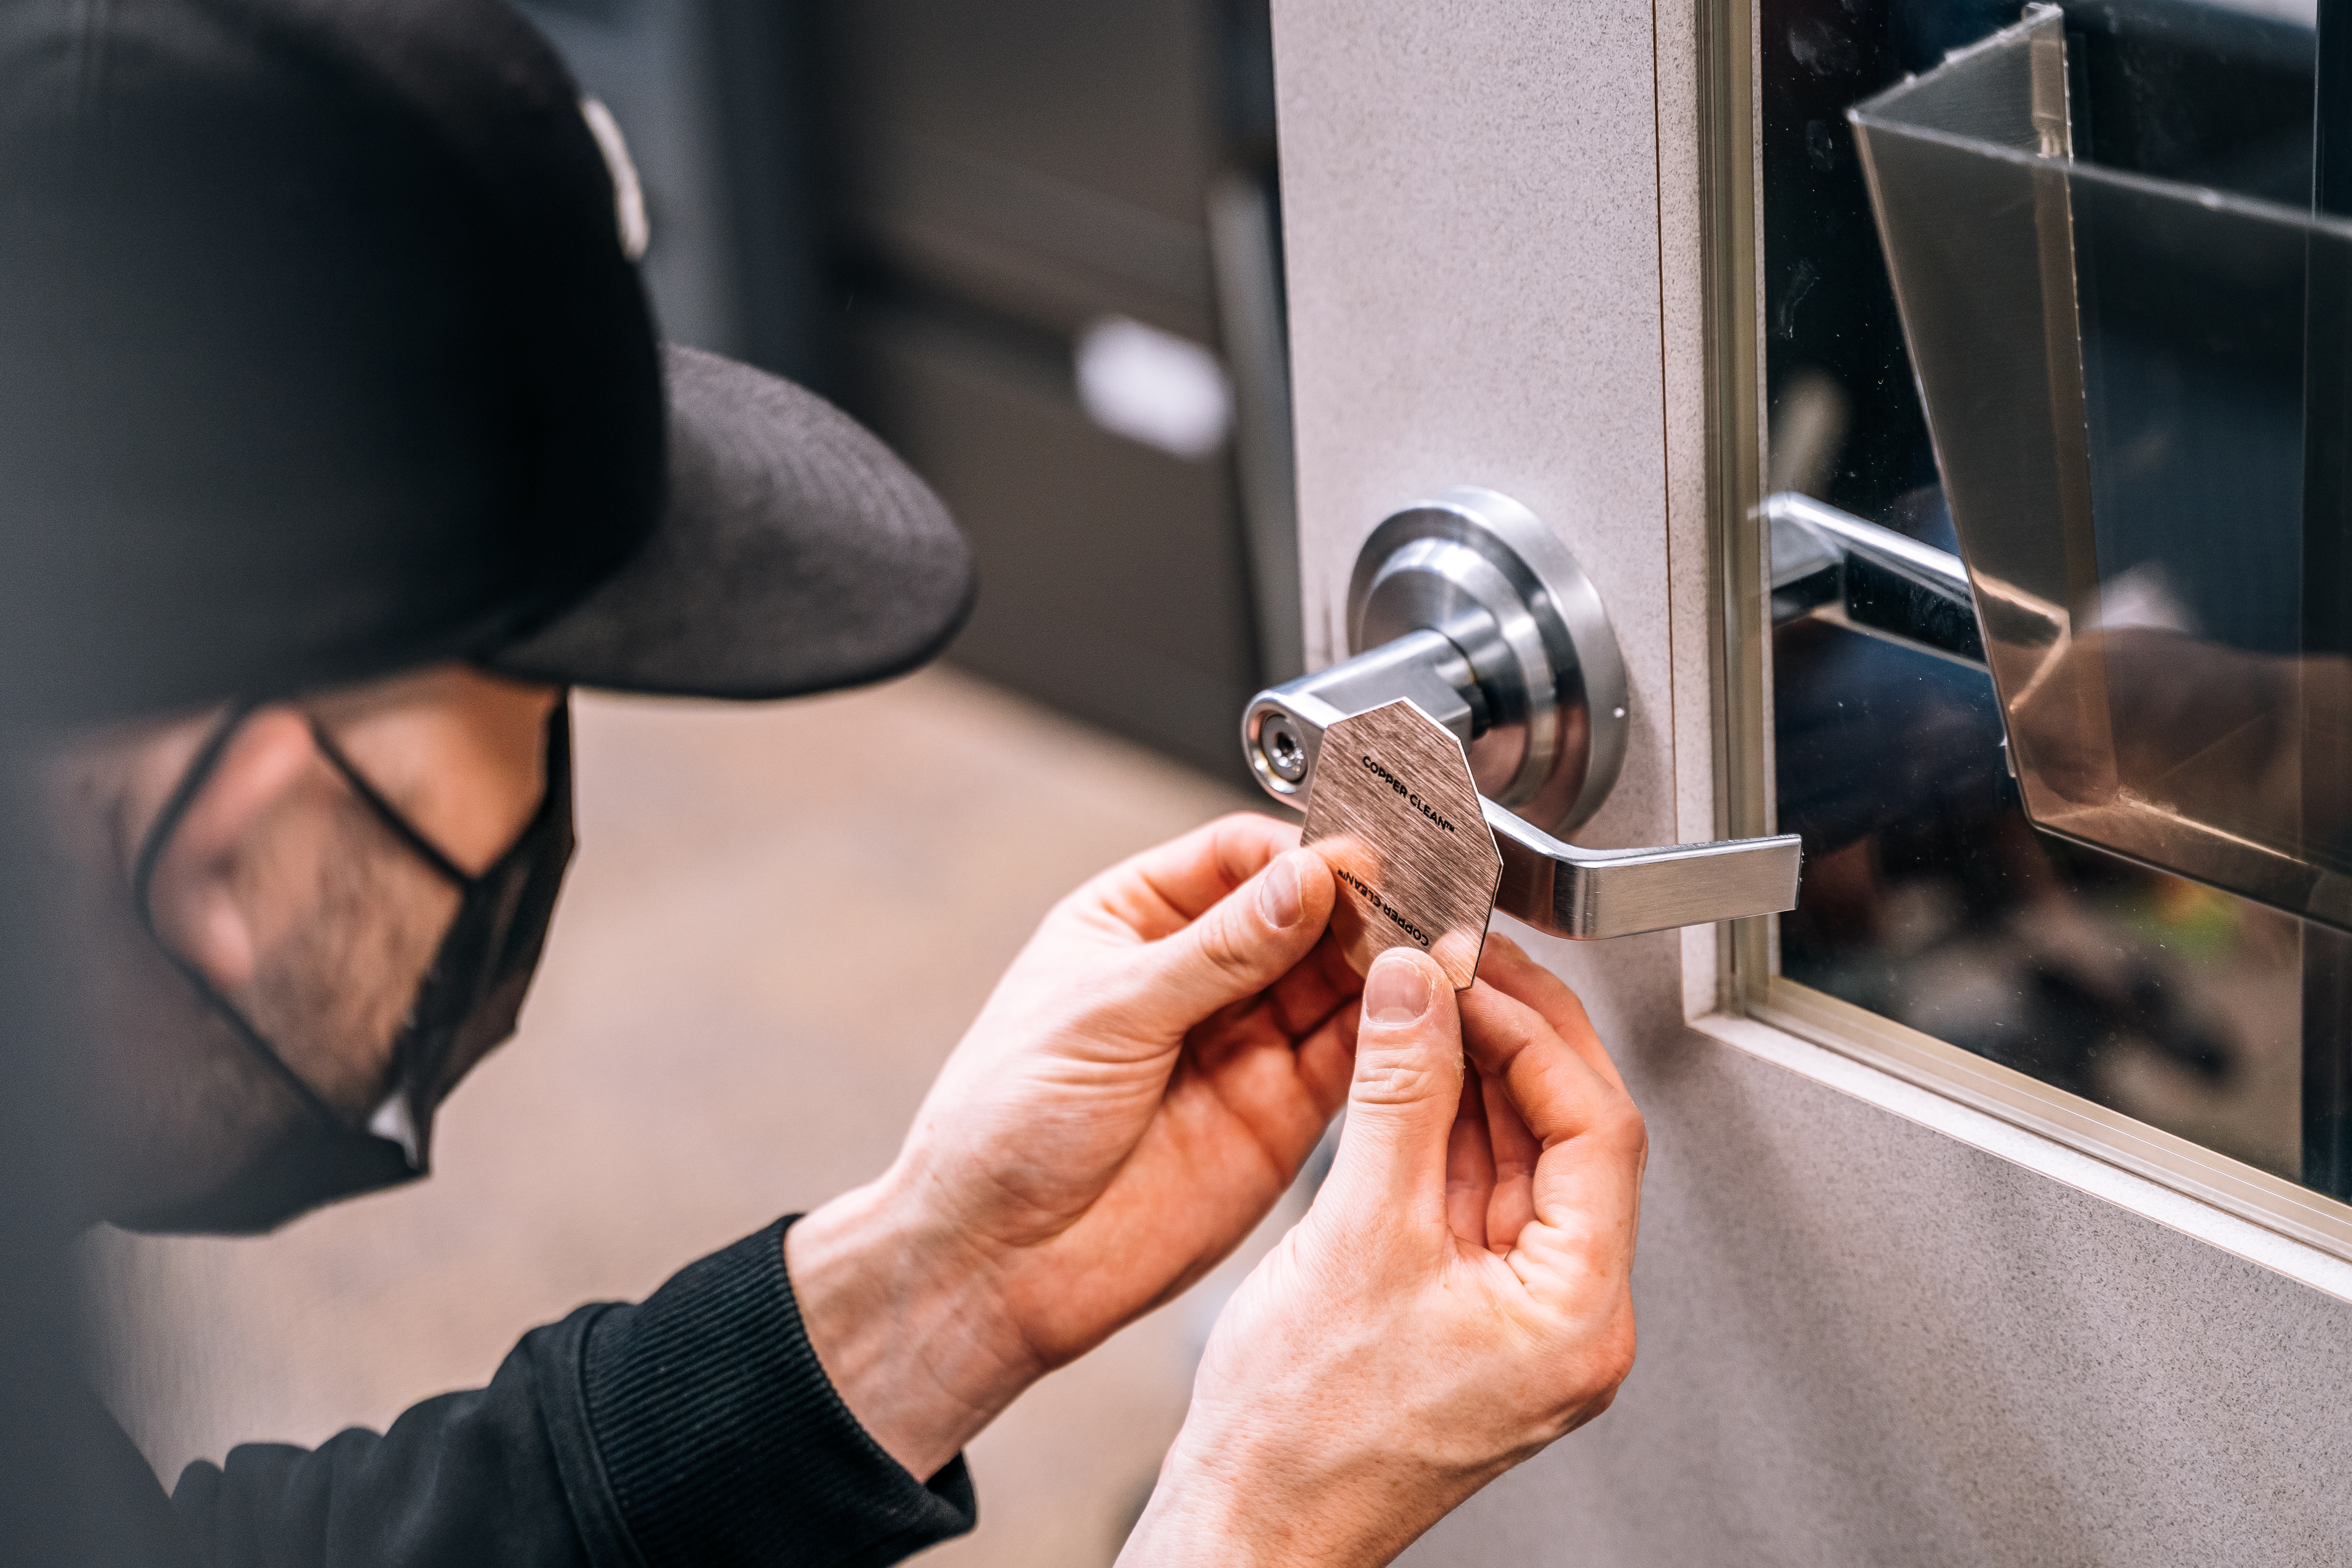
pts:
[1393, 811]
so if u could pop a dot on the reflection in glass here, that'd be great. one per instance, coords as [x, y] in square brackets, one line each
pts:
[2100, 230]
[2113, 369]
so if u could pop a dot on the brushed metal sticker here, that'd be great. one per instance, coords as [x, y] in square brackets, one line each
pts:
[1395, 812]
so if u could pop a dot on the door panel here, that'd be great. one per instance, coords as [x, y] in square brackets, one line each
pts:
[1480, 233]
[1862, 1343]
[1863, 1340]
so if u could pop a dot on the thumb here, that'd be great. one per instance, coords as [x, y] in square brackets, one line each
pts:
[1407, 1089]
[1244, 942]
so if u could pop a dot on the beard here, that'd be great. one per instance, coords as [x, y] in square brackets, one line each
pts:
[333, 993]
[173, 1101]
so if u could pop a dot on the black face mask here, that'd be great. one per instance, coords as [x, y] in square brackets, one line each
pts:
[465, 1005]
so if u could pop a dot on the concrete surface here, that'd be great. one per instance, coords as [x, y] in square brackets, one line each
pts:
[780, 921]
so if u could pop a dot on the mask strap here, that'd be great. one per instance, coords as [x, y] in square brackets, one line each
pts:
[143, 880]
[175, 805]
[388, 813]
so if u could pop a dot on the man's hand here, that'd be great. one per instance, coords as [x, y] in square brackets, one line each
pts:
[1456, 1299]
[1142, 1086]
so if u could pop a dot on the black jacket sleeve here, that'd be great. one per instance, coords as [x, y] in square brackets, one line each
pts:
[695, 1428]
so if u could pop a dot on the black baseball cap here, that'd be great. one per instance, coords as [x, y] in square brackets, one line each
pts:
[322, 355]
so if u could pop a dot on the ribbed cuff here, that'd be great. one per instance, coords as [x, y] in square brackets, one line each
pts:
[723, 1442]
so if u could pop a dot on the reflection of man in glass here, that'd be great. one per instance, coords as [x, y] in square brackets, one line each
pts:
[339, 446]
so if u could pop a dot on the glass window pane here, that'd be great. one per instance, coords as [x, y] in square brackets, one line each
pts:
[2061, 697]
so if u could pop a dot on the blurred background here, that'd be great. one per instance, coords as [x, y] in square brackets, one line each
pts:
[1036, 245]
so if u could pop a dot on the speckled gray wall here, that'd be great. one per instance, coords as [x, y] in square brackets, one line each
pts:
[1865, 1343]
[1862, 1342]
[1447, 302]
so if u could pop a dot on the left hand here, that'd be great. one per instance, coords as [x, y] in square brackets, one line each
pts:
[1142, 1086]
[1459, 1297]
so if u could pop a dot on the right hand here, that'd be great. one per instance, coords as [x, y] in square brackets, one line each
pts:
[1139, 1090]
[1456, 1299]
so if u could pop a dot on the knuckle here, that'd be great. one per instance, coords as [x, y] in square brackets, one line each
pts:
[1598, 1368]
[1223, 951]
[1396, 1075]
[1591, 1250]
[1583, 1376]
[1613, 1360]
[1607, 1382]
[1621, 1126]
[1239, 840]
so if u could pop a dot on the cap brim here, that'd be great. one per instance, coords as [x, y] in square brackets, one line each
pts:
[795, 554]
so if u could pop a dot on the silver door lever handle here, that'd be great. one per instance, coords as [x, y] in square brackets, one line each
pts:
[1467, 606]
[1556, 887]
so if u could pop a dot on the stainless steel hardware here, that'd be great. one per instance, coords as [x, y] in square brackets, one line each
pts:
[1829, 563]
[1469, 607]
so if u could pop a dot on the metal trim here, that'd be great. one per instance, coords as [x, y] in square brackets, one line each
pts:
[1738, 652]
[2231, 1186]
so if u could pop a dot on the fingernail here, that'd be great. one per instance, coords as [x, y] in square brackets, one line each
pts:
[1396, 991]
[1277, 895]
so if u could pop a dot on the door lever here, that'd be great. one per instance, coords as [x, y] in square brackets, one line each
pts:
[1836, 566]
[1466, 604]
